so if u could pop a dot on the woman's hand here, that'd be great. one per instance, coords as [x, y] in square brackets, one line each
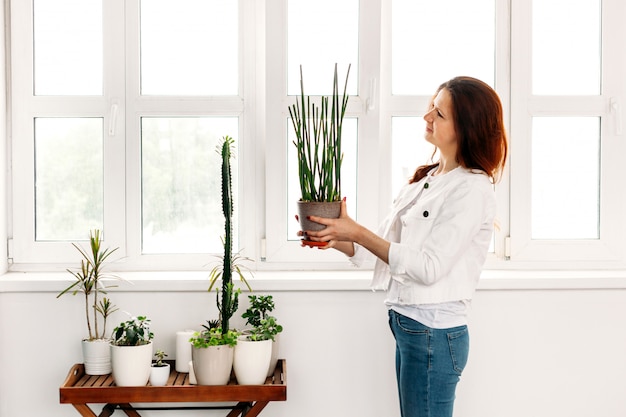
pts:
[341, 229]
[342, 233]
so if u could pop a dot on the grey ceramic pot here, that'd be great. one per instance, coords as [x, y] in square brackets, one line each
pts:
[329, 210]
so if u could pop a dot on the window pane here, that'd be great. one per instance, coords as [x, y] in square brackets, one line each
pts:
[189, 47]
[409, 149]
[314, 28]
[68, 177]
[181, 183]
[348, 174]
[565, 185]
[567, 44]
[433, 41]
[68, 47]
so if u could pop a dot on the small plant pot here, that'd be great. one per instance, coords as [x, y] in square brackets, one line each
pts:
[159, 375]
[329, 210]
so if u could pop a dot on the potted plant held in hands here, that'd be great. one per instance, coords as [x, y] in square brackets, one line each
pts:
[318, 132]
[160, 371]
[213, 348]
[131, 352]
[90, 281]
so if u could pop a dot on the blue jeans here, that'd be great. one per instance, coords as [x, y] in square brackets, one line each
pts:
[429, 363]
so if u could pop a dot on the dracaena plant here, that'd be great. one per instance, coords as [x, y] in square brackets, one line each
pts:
[318, 132]
[90, 281]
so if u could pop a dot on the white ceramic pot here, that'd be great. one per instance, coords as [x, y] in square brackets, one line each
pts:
[183, 350]
[252, 360]
[213, 365]
[192, 375]
[97, 356]
[159, 375]
[274, 359]
[131, 364]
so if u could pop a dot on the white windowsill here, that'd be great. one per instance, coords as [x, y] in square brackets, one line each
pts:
[357, 280]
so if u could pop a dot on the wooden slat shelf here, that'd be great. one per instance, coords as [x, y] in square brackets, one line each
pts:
[80, 389]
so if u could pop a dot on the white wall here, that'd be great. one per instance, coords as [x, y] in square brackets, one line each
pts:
[534, 353]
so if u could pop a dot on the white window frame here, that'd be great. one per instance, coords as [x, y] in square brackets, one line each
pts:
[609, 249]
[139, 106]
[262, 108]
[278, 251]
[407, 105]
[26, 106]
[122, 103]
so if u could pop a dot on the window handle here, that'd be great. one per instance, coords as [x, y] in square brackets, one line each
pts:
[113, 117]
[616, 107]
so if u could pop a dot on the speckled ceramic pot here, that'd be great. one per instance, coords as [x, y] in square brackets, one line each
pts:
[329, 210]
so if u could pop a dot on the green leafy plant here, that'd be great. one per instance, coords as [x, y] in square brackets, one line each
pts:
[90, 282]
[133, 332]
[318, 142]
[214, 337]
[160, 356]
[259, 307]
[267, 329]
[228, 300]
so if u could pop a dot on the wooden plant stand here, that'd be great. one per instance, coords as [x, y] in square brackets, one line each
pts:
[80, 389]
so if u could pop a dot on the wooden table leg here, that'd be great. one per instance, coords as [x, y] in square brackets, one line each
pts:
[235, 412]
[107, 410]
[129, 410]
[84, 410]
[256, 409]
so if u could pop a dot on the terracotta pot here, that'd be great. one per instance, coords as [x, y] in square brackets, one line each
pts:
[329, 210]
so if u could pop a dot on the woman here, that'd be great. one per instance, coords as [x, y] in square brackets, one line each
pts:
[431, 248]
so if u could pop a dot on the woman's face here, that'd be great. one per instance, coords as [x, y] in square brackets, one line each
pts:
[440, 129]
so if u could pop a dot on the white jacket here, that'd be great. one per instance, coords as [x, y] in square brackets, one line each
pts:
[439, 238]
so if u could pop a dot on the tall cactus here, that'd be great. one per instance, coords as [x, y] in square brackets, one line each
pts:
[231, 262]
[230, 298]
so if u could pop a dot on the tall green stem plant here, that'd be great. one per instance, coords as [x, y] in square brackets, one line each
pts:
[229, 302]
[318, 132]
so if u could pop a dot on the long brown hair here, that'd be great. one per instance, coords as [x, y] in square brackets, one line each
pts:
[479, 124]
